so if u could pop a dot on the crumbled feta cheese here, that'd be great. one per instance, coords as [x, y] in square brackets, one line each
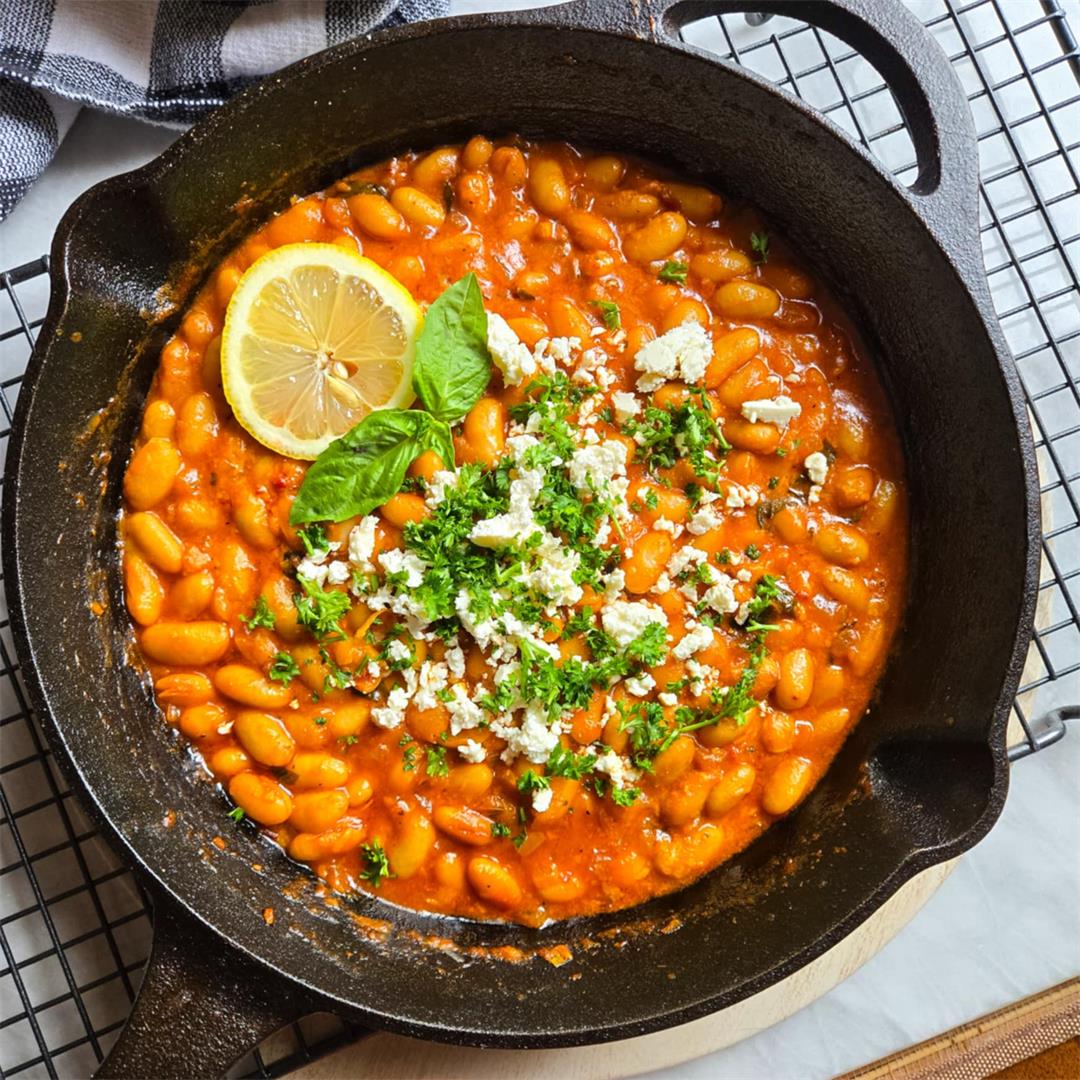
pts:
[455, 660]
[626, 620]
[705, 518]
[398, 561]
[687, 558]
[397, 651]
[695, 640]
[614, 767]
[780, 410]
[541, 800]
[721, 596]
[517, 445]
[443, 482]
[667, 698]
[663, 584]
[593, 467]
[509, 353]
[465, 714]
[663, 524]
[742, 613]
[518, 524]
[549, 351]
[626, 406]
[311, 570]
[362, 542]
[533, 739]
[639, 685]
[614, 584]
[472, 751]
[392, 714]
[817, 467]
[434, 677]
[683, 352]
[700, 674]
[745, 575]
[553, 575]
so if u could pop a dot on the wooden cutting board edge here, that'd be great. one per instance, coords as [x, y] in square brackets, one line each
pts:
[392, 1057]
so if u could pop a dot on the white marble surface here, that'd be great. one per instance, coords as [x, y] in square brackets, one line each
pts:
[1006, 923]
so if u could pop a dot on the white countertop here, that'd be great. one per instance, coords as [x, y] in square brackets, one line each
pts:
[1005, 924]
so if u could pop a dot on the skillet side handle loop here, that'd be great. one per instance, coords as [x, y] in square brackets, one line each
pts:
[921, 78]
[201, 1007]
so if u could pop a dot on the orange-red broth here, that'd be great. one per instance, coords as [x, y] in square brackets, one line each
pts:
[548, 230]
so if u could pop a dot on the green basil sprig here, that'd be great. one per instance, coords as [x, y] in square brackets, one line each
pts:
[453, 365]
[367, 465]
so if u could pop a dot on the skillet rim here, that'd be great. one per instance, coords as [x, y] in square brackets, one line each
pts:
[973, 284]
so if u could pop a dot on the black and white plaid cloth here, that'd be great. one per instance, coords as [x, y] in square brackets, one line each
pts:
[166, 61]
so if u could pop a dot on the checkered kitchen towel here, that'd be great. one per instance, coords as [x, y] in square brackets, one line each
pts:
[166, 61]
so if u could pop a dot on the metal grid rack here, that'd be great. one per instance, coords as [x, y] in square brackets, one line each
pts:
[74, 925]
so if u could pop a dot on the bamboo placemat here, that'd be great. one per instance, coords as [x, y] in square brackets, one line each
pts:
[995, 1042]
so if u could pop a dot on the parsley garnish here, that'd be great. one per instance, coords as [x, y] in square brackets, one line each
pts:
[319, 609]
[753, 552]
[531, 781]
[314, 538]
[564, 762]
[437, 764]
[759, 245]
[283, 669]
[682, 432]
[609, 312]
[236, 813]
[673, 272]
[261, 615]
[625, 796]
[376, 864]
[499, 830]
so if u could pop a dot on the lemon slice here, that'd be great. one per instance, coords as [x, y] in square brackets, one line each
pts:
[316, 337]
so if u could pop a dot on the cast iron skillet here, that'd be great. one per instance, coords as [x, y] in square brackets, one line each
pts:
[922, 778]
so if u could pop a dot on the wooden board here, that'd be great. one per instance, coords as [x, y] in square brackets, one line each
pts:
[392, 1057]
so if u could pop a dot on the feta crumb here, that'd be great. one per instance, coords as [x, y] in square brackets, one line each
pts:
[695, 640]
[472, 751]
[465, 714]
[518, 524]
[455, 660]
[721, 596]
[817, 467]
[541, 799]
[434, 676]
[533, 739]
[443, 482]
[593, 467]
[639, 685]
[509, 353]
[392, 714]
[667, 698]
[626, 406]
[362, 542]
[399, 561]
[745, 575]
[705, 518]
[780, 410]
[687, 558]
[615, 767]
[664, 524]
[311, 570]
[683, 352]
[626, 620]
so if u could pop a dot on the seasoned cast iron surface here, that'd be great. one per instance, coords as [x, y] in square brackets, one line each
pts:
[922, 777]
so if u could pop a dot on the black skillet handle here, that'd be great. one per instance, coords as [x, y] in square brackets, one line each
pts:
[893, 40]
[201, 1007]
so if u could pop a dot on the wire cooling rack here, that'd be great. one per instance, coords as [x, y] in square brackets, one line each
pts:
[74, 926]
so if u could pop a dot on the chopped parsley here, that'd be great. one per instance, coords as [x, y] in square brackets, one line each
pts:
[625, 796]
[564, 762]
[376, 864]
[673, 272]
[530, 781]
[759, 245]
[313, 538]
[319, 609]
[283, 669]
[499, 830]
[437, 764]
[236, 813]
[609, 312]
[261, 615]
[681, 432]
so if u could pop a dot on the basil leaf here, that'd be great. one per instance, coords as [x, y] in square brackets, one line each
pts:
[363, 468]
[453, 366]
